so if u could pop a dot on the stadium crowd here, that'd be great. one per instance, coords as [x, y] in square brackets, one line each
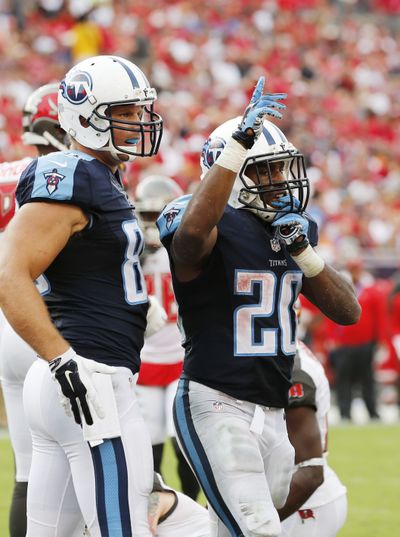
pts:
[337, 59]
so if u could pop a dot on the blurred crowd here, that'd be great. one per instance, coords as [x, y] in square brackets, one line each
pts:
[338, 60]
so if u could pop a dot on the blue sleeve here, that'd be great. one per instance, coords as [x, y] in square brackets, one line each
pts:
[59, 176]
[171, 216]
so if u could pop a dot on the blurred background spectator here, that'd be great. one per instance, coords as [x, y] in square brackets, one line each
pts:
[339, 61]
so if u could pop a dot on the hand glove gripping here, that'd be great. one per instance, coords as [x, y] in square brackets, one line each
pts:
[289, 228]
[74, 375]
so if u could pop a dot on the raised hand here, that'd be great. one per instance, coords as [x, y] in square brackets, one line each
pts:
[261, 105]
[74, 375]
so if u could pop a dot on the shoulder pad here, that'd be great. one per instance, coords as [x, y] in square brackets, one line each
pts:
[171, 216]
[55, 174]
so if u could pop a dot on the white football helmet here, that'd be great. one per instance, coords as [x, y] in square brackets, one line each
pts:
[40, 119]
[151, 196]
[91, 89]
[271, 147]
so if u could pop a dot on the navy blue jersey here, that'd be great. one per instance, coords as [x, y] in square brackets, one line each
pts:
[237, 315]
[94, 289]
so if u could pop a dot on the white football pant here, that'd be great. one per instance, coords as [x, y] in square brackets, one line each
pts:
[110, 482]
[16, 357]
[156, 404]
[323, 521]
[241, 455]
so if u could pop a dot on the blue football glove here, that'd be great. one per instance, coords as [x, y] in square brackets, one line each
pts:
[261, 105]
[289, 228]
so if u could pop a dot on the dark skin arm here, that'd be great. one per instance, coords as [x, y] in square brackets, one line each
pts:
[333, 295]
[196, 236]
[304, 435]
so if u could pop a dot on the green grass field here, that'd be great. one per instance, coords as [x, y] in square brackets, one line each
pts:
[367, 458]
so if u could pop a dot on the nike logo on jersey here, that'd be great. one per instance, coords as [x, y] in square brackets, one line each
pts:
[61, 164]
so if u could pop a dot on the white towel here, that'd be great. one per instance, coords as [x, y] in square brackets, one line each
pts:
[109, 426]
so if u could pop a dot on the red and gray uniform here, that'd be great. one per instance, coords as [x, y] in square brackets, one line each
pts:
[162, 353]
[324, 513]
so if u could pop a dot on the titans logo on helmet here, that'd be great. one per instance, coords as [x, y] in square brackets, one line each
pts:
[53, 179]
[212, 150]
[77, 88]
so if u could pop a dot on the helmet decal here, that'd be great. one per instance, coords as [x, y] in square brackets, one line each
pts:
[77, 89]
[131, 74]
[212, 150]
[279, 138]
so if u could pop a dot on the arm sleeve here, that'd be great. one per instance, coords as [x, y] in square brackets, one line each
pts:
[57, 177]
[303, 390]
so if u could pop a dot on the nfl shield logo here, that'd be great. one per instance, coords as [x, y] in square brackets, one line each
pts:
[275, 245]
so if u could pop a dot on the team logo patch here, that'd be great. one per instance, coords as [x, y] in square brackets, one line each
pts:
[170, 217]
[76, 89]
[296, 391]
[218, 406]
[212, 150]
[53, 179]
[305, 514]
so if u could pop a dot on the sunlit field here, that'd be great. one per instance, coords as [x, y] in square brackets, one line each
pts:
[367, 458]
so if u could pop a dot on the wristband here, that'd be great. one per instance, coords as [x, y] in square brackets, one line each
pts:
[309, 262]
[62, 359]
[232, 157]
[316, 461]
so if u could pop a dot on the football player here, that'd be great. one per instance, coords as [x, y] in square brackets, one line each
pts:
[162, 353]
[41, 130]
[77, 229]
[317, 502]
[241, 250]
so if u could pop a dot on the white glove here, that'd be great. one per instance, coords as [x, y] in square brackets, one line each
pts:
[156, 317]
[74, 375]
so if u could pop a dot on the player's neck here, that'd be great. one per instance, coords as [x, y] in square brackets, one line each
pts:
[102, 156]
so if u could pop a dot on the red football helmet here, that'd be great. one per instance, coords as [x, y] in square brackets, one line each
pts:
[40, 119]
